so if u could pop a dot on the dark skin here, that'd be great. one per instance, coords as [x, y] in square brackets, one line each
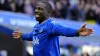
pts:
[42, 14]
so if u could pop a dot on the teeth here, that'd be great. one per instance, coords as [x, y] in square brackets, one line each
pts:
[37, 15]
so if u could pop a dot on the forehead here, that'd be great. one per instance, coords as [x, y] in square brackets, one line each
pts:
[41, 5]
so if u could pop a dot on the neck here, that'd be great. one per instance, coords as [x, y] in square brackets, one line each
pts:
[42, 20]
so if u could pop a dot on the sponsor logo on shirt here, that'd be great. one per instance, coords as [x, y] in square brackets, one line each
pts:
[35, 40]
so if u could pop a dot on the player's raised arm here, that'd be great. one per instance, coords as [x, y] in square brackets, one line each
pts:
[19, 35]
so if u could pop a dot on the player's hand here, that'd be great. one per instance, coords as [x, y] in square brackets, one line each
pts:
[17, 34]
[83, 31]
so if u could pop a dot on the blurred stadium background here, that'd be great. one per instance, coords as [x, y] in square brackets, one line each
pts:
[70, 13]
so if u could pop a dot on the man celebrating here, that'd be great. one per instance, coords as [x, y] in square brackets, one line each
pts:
[45, 33]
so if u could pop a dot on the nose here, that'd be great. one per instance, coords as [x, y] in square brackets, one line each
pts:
[36, 11]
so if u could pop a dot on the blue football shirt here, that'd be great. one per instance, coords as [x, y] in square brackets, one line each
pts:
[45, 37]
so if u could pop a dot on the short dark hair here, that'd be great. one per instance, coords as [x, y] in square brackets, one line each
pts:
[48, 5]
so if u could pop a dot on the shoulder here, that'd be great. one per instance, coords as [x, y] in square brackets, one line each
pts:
[36, 25]
[52, 22]
[53, 25]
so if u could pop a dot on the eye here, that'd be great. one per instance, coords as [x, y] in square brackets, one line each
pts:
[39, 8]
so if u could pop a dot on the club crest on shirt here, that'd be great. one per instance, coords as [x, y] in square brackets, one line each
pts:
[54, 22]
[41, 30]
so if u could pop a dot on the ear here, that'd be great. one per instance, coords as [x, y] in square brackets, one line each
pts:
[50, 12]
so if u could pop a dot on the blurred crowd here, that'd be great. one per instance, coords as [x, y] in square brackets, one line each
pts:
[70, 50]
[80, 10]
[22, 6]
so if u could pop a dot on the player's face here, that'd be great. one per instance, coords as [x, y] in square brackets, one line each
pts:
[40, 12]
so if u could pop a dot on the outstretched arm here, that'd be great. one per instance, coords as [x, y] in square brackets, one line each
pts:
[69, 32]
[64, 31]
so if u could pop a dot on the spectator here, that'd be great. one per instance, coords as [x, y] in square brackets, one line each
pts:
[61, 7]
[73, 10]
[81, 10]
[28, 8]
[19, 6]
[6, 5]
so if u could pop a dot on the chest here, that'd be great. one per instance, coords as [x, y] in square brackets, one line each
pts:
[40, 31]
[40, 34]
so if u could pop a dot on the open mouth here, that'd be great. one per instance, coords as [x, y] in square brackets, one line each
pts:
[37, 16]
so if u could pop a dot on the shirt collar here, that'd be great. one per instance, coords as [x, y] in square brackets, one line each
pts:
[43, 22]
